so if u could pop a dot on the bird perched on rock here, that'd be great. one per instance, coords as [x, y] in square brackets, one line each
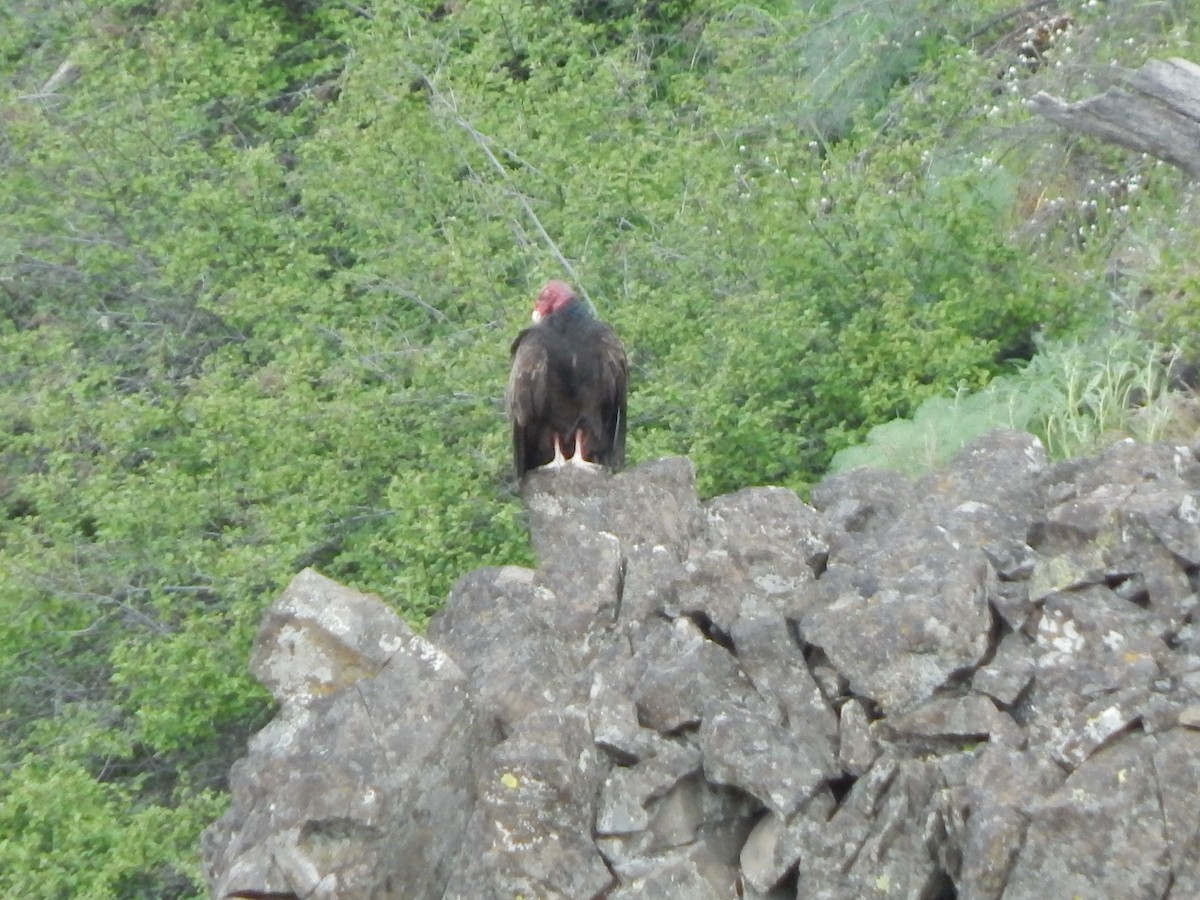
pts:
[566, 390]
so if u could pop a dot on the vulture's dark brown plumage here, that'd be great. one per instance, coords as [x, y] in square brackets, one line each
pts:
[566, 390]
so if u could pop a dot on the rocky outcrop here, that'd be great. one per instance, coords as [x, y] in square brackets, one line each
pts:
[983, 684]
[367, 769]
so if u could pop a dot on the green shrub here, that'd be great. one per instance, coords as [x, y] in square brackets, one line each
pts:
[1077, 396]
[67, 831]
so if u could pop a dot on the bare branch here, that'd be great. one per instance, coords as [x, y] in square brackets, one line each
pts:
[1158, 114]
[485, 145]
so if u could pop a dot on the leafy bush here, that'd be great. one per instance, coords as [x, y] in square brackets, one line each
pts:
[1077, 396]
[56, 809]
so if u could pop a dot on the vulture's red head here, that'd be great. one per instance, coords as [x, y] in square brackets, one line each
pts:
[553, 297]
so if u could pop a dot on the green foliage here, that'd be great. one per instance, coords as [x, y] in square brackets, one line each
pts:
[1161, 299]
[865, 303]
[1077, 396]
[57, 809]
[1102, 393]
[260, 264]
[939, 428]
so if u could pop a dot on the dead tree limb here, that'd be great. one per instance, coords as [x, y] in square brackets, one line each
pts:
[1156, 112]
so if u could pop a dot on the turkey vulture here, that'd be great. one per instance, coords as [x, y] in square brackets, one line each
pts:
[566, 390]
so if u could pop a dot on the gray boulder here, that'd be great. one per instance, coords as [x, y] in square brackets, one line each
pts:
[361, 785]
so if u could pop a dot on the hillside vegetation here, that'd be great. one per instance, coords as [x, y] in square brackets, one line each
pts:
[261, 262]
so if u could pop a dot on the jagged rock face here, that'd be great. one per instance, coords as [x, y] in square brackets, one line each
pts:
[984, 684]
[361, 785]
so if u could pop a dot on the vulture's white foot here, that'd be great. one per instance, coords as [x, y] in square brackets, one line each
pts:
[577, 457]
[582, 463]
[559, 460]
